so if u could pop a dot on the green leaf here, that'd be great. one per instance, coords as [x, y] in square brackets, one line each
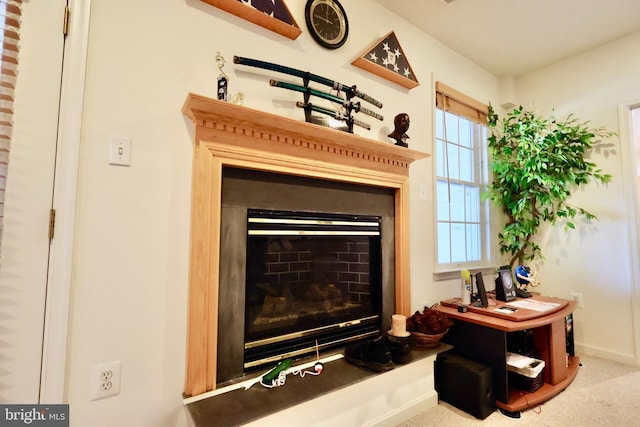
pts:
[537, 163]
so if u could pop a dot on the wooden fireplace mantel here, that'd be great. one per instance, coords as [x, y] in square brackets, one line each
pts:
[237, 136]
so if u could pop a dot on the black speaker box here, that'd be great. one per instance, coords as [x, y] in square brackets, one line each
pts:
[465, 384]
[505, 288]
[521, 342]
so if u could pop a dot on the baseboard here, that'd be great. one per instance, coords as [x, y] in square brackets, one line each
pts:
[604, 353]
[408, 411]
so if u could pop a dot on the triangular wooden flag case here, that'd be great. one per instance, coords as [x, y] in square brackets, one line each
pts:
[386, 59]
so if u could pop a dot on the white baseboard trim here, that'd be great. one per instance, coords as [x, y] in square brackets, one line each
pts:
[605, 353]
[408, 411]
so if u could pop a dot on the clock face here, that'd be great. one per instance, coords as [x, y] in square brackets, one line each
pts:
[327, 22]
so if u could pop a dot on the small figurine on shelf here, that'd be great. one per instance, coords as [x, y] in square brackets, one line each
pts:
[238, 98]
[223, 80]
[401, 123]
[526, 278]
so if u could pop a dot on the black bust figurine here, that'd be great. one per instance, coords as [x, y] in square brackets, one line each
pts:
[401, 123]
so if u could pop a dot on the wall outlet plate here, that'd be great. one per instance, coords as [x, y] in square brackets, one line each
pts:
[578, 298]
[105, 380]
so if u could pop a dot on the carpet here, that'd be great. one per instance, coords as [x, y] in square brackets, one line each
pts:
[604, 393]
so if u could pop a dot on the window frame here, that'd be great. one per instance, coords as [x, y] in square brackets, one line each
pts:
[449, 100]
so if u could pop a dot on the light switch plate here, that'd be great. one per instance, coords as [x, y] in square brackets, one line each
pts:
[423, 191]
[120, 151]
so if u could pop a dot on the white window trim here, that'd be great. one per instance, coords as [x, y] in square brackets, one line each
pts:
[488, 265]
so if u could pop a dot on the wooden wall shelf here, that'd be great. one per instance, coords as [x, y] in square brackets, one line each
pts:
[236, 136]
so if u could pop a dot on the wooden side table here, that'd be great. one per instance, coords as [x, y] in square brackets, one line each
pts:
[481, 334]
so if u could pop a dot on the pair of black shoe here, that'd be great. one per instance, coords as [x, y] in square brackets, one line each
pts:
[379, 354]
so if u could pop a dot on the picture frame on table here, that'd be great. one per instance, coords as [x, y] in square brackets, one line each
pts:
[273, 15]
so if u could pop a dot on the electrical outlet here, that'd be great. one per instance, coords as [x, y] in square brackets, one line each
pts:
[578, 298]
[105, 380]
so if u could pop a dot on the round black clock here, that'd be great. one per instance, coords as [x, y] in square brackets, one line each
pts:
[327, 22]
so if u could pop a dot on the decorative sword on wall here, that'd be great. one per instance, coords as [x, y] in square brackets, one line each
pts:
[354, 106]
[332, 113]
[348, 106]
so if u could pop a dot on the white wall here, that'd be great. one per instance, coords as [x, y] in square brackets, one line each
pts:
[131, 253]
[636, 137]
[596, 258]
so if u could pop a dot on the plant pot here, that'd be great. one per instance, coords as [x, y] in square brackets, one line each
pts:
[420, 340]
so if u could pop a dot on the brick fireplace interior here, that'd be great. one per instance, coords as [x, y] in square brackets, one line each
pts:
[237, 149]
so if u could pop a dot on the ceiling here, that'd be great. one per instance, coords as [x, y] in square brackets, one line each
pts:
[515, 37]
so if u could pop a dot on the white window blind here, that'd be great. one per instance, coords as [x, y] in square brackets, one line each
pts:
[10, 18]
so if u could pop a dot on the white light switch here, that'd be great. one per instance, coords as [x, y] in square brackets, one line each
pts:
[120, 151]
[423, 191]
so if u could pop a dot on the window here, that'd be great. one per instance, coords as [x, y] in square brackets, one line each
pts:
[10, 13]
[462, 219]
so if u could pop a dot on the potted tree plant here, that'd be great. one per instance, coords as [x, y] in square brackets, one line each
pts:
[536, 163]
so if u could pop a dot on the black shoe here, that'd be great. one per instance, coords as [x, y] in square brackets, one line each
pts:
[400, 349]
[370, 354]
[521, 293]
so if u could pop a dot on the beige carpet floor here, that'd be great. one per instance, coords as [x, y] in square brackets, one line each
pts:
[604, 393]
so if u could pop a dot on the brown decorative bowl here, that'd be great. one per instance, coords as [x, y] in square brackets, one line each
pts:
[420, 340]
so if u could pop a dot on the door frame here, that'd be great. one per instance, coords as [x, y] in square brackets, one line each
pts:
[630, 188]
[61, 254]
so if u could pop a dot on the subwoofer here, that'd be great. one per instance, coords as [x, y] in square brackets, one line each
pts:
[465, 384]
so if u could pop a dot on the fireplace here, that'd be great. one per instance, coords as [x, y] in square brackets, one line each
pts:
[304, 259]
[355, 170]
[312, 278]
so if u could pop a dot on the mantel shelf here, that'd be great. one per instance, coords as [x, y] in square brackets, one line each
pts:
[251, 129]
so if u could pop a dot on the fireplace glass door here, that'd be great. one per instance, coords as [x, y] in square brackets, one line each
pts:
[313, 280]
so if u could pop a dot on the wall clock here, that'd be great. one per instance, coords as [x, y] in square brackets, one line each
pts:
[327, 22]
